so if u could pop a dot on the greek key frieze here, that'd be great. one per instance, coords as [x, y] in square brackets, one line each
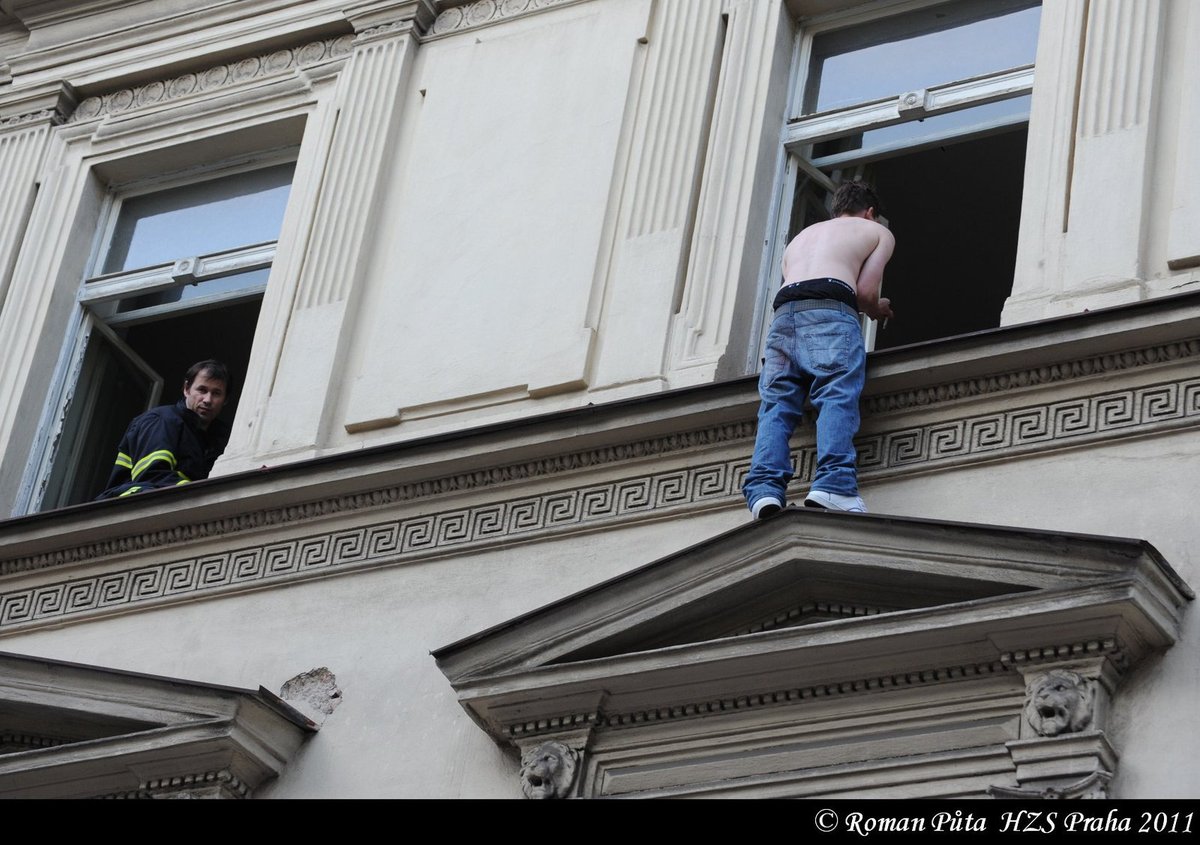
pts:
[385, 542]
[456, 530]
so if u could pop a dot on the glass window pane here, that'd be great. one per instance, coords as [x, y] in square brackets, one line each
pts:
[916, 132]
[232, 211]
[183, 293]
[929, 47]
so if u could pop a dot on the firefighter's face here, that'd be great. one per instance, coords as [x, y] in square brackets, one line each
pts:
[205, 397]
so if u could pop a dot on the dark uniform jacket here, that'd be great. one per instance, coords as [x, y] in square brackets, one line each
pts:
[165, 447]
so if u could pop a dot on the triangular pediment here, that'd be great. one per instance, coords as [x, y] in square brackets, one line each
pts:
[792, 591]
[72, 731]
[807, 599]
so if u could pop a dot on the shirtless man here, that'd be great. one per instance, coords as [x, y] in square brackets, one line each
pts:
[831, 271]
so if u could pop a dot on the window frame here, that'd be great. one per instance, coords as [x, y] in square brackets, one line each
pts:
[801, 132]
[98, 294]
[97, 289]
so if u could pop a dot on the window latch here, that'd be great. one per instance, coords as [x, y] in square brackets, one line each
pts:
[913, 102]
[184, 271]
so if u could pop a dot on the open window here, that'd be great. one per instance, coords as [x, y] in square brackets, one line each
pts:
[179, 273]
[931, 106]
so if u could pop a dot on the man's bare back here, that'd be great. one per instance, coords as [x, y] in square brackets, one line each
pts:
[851, 248]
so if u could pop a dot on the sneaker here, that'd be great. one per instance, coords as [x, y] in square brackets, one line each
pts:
[834, 502]
[766, 506]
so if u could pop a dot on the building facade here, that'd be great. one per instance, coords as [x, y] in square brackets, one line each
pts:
[493, 278]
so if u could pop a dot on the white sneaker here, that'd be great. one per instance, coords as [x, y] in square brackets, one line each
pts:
[834, 502]
[766, 506]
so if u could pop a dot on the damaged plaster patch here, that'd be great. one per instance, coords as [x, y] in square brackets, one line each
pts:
[314, 693]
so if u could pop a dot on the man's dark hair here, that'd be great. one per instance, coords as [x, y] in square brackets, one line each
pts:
[211, 368]
[855, 197]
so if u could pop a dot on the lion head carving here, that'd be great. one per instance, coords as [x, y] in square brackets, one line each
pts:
[548, 771]
[1060, 702]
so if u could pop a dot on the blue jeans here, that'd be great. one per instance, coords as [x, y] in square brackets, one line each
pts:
[815, 353]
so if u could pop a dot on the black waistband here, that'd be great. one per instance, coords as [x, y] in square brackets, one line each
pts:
[817, 289]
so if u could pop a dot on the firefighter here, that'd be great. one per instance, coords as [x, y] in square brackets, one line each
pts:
[174, 444]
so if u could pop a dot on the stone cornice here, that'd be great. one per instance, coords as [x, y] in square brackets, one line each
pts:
[1018, 379]
[714, 482]
[223, 780]
[376, 498]
[51, 116]
[775, 698]
[651, 645]
[381, 18]
[213, 78]
[49, 106]
[619, 477]
[137, 735]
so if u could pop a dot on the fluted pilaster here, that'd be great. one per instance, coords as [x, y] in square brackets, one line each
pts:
[740, 145]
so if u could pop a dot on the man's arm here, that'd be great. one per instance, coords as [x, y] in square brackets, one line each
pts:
[870, 278]
[147, 454]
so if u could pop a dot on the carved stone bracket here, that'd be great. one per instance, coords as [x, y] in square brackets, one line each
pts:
[550, 770]
[1063, 751]
[552, 765]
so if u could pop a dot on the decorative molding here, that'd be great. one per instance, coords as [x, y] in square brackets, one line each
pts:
[1070, 651]
[1097, 365]
[52, 117]
[1007, 433]
[357, 161]
[1060, 702]
[384, 30]
[673, 128]
[212, 79]
[11, 742]
[550, 770]
[1002, 433]
[826, 710]
[391, 541]
[797, 614]
[220, 782]
[487, 12]
[1122, 46]
[142, 736]
[701, 329]
[383, 497]
[21, 154]
[557, 724]
[991, 436]
[710, 707]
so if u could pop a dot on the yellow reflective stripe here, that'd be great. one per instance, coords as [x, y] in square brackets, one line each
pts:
[183, 481]
[124, 460]
[144, 463]
[129, 491]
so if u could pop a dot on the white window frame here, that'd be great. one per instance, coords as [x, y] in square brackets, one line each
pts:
[98, 290]
[802, 131]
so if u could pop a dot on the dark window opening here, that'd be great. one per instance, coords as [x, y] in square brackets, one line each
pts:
[115, 386]
[955, 211]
